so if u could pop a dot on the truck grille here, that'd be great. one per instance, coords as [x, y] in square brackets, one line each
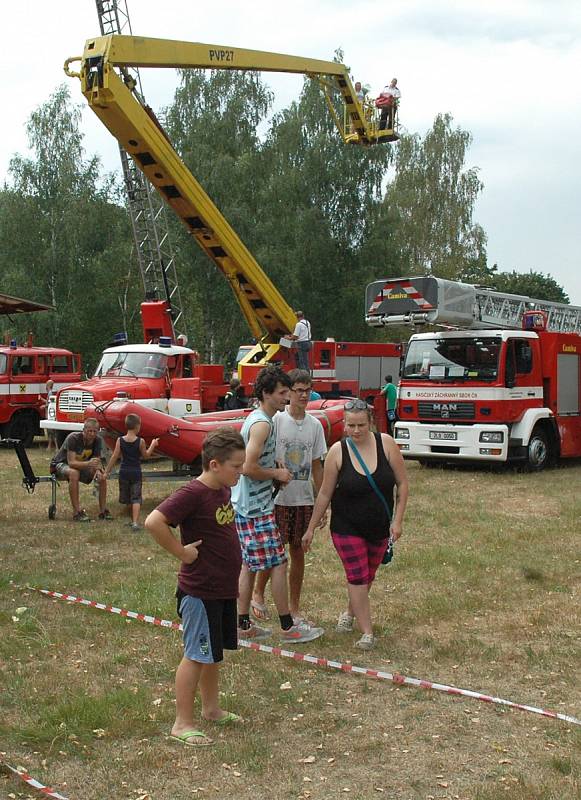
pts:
[446, 410]
[74, 401]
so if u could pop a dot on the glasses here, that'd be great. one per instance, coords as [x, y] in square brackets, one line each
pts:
[356, 405]
[301, 391]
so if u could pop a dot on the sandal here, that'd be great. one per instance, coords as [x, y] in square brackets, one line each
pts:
[259, 611]
[81, 516]
[229, 718]
[198, 739]
[344, 623]
[367, 642]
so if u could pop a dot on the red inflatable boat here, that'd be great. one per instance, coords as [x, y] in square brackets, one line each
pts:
[181, 439]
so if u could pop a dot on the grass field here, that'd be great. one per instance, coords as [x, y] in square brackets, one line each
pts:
[483, 594]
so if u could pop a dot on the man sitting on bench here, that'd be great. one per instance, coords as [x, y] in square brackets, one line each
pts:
[82, 458]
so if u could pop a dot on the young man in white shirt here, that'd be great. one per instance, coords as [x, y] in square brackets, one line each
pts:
[300, 447]
[302, 338]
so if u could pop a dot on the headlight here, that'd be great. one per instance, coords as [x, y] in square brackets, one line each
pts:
[51, 410]
[402, 433]
[492, 437]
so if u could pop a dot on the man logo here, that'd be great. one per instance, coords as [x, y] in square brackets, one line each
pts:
[188, 407]
[444, 409]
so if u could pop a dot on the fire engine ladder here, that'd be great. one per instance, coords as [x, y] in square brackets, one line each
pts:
[427, 300]
[506, 311]
[147, 211]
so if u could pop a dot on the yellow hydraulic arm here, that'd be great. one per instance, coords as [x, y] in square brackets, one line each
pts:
[140, 134]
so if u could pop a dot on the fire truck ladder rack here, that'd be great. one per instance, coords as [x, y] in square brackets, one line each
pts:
[435, 301]
[507, 310]
[267, 313]
[147, 211]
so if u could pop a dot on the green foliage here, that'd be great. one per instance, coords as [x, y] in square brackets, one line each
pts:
[531, 284]
[63, 241]
[433, 198]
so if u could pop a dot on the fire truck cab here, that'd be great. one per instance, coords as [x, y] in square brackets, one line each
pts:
[158, 376]
[507, 387]
[24, 372]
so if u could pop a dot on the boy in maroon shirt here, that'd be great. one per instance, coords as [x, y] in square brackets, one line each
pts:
[207, 580]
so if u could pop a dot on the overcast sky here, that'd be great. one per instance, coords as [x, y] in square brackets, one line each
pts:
[510, 73]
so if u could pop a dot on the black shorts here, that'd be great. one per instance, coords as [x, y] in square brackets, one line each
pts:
[210, 627]
[130, 491]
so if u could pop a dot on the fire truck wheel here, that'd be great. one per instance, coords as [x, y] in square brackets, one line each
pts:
[52, 512]
[538, 451]
[22, 426]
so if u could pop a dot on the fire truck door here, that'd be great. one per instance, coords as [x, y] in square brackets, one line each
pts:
[523, 379]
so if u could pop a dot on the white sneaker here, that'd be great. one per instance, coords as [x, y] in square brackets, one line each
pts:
[254, 633]
[367, 642]
[303, 632]
[344, 623]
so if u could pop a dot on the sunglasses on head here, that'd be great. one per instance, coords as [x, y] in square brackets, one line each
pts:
[356, 405]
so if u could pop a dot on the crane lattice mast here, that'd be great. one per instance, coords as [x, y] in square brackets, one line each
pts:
[147, 210]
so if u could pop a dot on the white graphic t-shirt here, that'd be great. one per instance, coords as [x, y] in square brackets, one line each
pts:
[298, 444]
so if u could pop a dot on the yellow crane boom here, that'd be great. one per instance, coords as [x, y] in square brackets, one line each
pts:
[110, 96]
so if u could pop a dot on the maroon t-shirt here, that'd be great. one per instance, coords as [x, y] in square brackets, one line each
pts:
[206, 514]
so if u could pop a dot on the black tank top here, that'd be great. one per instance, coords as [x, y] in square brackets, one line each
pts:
[130, 469]
[356, 510]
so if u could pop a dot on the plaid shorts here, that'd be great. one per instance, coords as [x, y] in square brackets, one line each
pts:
[360, 558]
[292, 523]
[260, 542]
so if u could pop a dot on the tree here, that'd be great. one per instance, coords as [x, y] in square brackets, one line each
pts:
[61, 233]
[530, 284]
[213, 123]
[326, 232]
[432, 197]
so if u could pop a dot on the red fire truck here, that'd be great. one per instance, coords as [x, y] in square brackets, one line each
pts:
[505, 387]
[24, 372]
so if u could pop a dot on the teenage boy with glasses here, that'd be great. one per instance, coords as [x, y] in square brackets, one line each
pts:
[300, 447]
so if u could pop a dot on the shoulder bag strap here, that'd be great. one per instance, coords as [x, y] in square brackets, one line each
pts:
[369, 476]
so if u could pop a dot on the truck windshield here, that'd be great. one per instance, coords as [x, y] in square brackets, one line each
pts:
[439, 359]
[138, 365]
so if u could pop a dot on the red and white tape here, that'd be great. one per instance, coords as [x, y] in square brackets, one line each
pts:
[40, 787]
[400, 680]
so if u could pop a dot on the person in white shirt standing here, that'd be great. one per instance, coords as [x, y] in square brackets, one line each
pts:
[300, 447]
[302, 337]
[391, 95]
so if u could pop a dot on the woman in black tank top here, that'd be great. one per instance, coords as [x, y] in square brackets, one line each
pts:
[360, 523]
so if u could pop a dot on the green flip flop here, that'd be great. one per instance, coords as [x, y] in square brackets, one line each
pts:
[230, 718]
[192, 739]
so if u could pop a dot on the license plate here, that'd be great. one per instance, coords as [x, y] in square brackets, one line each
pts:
[448, 436]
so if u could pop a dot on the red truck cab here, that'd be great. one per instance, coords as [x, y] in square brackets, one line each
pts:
[24, 372]
[166, 378]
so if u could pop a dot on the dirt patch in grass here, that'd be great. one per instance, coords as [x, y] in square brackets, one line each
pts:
[480, 595]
